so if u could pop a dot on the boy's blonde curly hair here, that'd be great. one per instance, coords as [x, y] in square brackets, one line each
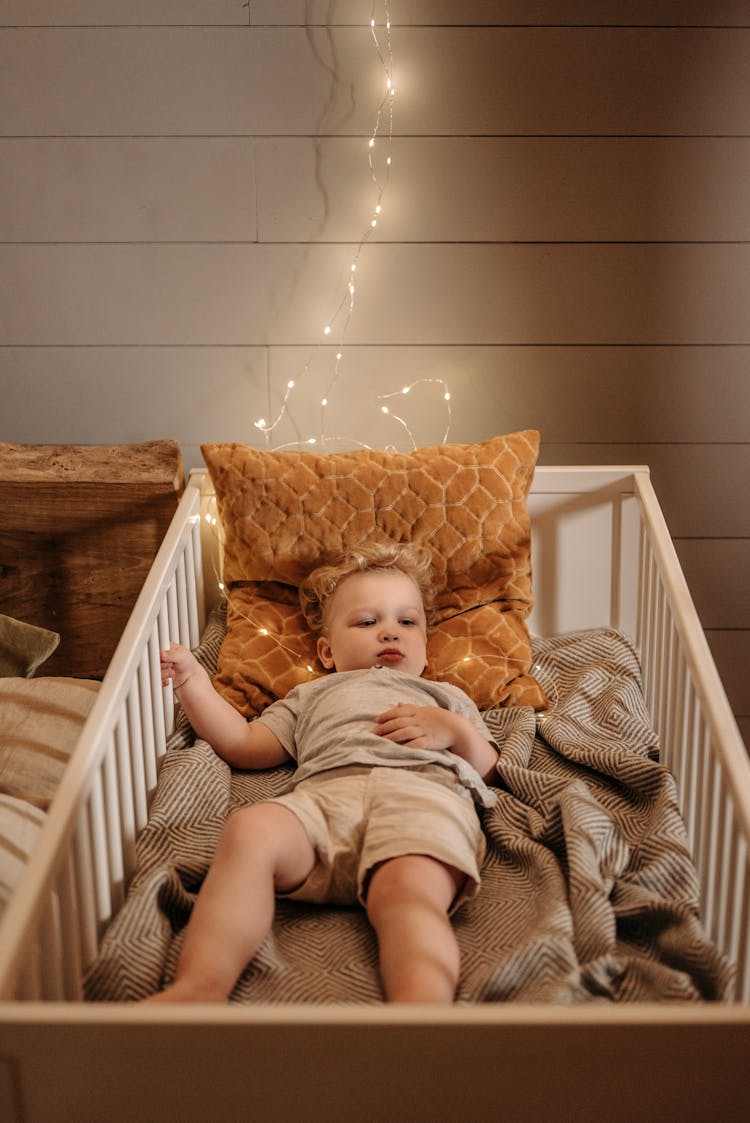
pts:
[412, 560]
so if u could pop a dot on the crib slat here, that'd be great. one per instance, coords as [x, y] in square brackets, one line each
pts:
[72, 950]
[183, 615]
[165, 638]
[742, 906]
[725, 870]
[173, 612]
[705, 798]
[666, 656]
[113, 828]
[49, 929]
[194, 593]
[159, 693]
[693, 740]
[85, 887]
[135, 747]
[712, 870]
[145, 708]
[678, 719]
[99, 851]
[125, 793]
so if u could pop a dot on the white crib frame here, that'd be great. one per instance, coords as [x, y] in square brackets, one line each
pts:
[602, 556]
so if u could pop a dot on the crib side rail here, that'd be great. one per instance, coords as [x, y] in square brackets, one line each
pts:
[79, 871]
[699, 738]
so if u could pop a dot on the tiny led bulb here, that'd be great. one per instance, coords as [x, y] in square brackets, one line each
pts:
[384, 409]
[371, 143]
[338, 355]
[263, 631]
[324, 401]
[290, 384]
[406, 389]
[374, 222]
[378, 209]
[260, 423]
[327, 329]
[447, 396]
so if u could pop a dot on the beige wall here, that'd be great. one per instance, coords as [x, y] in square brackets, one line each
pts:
[565, 237]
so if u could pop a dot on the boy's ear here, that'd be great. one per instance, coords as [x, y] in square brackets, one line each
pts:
[324, 652]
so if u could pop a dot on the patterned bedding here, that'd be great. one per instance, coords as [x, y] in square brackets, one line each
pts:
[588, 892]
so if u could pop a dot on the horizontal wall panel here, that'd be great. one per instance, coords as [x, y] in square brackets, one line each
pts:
[499, 189]
[405, 294]
[101, 13]
[182, 81]
[731, 652]
[702, 489]
[488, 12]
[612, 395]
[124, 395]
[717, 571]
[600, 394]
[146, 189]
[449, 81]
[460, 189]
[439, 294]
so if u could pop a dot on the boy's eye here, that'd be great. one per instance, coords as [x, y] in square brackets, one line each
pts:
[408, 622]
[365, 623]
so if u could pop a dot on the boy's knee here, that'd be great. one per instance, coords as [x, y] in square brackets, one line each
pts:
[258, 823]
[413, 877]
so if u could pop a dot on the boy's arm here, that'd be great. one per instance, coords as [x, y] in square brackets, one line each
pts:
[240, 743]
[432, 727]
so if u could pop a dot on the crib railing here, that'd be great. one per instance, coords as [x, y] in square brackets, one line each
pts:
[77, 876]
[699, 739]
[81, 867]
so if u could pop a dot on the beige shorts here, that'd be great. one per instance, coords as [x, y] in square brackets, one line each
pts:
[359, 819]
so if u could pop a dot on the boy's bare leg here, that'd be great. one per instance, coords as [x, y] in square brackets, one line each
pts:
[407, 903]
[263, 848]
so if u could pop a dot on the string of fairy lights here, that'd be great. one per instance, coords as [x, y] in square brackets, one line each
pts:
[379, 164]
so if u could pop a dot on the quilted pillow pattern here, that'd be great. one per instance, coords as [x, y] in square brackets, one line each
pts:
[285, 512]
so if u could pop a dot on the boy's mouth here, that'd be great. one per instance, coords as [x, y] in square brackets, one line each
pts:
[390, 655]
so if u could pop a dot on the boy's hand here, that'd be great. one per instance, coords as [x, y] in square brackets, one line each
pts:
[422, 727]
[178, 665]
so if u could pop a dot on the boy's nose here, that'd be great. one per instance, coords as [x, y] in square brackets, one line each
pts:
[389, 632]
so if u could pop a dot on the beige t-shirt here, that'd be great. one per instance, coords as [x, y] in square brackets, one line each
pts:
[328, 723]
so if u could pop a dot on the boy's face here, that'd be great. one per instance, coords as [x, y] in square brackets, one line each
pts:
[374, 619]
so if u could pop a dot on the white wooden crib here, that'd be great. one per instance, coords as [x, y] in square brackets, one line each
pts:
[602, 555]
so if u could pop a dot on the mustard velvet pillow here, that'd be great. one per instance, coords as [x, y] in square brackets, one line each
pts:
[283, 513]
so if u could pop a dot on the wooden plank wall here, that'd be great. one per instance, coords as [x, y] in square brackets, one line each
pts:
[565, 237]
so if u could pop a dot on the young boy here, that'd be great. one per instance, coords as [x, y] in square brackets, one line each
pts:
[390, 768]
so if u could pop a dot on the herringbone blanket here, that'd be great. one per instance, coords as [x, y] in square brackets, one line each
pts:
[588, 890]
